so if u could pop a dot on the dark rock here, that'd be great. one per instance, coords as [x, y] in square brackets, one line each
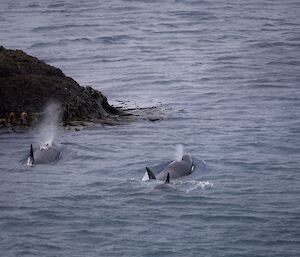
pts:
[27, 84]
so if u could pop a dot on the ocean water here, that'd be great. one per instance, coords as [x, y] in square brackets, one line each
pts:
[225, 77]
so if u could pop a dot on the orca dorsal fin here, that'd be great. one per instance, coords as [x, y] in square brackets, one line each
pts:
[150, 174]
[167, 179]
[30, 160]
[31, 152]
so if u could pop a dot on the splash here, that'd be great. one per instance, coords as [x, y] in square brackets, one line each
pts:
[49, 125]
[179, 152]
[192, 185]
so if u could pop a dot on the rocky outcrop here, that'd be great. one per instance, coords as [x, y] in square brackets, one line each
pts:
[27, 84]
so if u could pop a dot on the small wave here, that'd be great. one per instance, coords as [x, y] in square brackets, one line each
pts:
[60, 42]
[200, 15]
[43, 44]
[33, 5]
[55, 5]
[28, 249]
[88, 158]
[75, 40]
[86, 197]
[275, 44]
[290, 63]
[96, 184]
[64, 26]
[49, 214]
[116, 39]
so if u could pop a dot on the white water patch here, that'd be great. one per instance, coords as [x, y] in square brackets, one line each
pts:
[179, 152]
[188, 186]
[49, 125]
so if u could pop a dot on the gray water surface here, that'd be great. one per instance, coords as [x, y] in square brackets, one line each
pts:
[225, 75]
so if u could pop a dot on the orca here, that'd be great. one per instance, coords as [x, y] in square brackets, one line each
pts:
[166, 185]
[148, 175]
[174, 170]
[47, 153]
[30, 160]
[167, 179]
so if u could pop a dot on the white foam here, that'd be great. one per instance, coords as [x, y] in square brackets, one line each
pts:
[188, 186]
[201, 185]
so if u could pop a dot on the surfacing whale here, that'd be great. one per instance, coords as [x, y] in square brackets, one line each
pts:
[47, 153]
[175, 169]
[166, 185]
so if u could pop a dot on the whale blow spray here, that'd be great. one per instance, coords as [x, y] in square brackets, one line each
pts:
[179, 152]
[48, 127]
